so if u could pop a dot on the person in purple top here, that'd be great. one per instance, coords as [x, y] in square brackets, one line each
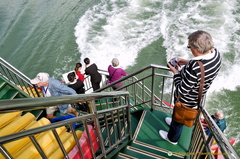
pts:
[115, 73]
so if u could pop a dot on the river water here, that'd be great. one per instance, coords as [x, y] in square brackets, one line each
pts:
[51, 36]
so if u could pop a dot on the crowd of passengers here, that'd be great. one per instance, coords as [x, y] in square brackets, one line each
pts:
[75, 85]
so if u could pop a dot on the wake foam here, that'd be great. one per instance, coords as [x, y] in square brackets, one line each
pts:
[122, 29]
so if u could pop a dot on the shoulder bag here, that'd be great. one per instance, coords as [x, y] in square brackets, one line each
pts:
[186, 115]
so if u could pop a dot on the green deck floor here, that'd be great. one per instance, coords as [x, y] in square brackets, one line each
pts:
[155, 121]
[147, 143]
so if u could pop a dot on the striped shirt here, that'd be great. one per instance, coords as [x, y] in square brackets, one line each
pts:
[187, 82]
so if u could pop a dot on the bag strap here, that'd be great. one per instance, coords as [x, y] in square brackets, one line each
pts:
[201, 84]
[113, 73]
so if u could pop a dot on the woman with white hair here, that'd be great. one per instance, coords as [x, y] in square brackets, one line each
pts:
[115, 73]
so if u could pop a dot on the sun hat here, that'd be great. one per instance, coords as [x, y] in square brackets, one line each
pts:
[41, 77]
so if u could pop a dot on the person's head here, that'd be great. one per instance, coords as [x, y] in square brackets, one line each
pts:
[78, 66]
[71, 76]
[115, 62]
[86, 61]
[200, 40]
[41, 79]
[219, 116]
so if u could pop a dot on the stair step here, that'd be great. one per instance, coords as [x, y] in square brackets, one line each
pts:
[2, 83]
[156, 150]
[10, 94]
[4, 90]
[139, 153]
[155, 121]
[125, 156]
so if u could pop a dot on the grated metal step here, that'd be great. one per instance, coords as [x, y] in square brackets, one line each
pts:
[156, 150]
[139, 153]
[125, 156]
[148, 144]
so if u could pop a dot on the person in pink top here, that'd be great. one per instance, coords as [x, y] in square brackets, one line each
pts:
[115, 73]
[78, 71]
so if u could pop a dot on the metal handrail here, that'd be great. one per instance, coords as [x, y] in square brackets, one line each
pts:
[131, 82]
[17, 78]
[199, 146]
[30, 103]
[201, 143]
[142, 95]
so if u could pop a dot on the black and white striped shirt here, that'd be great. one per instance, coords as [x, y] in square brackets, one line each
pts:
[187, 82]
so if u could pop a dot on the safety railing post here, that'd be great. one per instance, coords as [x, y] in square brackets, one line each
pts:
[77, 140]
[129, 116]
[152, 89]
[5, 153]
[38, 147]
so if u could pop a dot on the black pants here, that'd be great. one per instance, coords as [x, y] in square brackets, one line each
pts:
[95, 86]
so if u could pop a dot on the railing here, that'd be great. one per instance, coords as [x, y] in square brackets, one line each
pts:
[150, 87]
[200, 146]
[17, 78]
[155, 76]
[87, 81]
[147, 87]
[116, 118]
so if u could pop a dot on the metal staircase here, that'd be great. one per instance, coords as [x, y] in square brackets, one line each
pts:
[14, 84]
[140, 111]
[9, 91]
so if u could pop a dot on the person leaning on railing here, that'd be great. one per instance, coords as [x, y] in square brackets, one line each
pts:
[115, 73]
[219, 119]
[92, 70]
[187, 80]
[53, 87]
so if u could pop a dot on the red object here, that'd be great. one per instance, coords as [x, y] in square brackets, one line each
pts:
[232, 140]
[85, 145]
[204, 124]
[92, 136]
[166, 103]
[217, 152]
[38, 88]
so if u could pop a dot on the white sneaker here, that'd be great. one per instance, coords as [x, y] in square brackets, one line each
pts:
[164, 134]
[168, 120]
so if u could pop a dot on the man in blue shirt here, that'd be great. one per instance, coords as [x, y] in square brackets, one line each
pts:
[220, 120]
[218, 117]
[52, 87]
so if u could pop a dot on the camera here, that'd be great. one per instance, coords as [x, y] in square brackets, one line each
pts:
[173, 62]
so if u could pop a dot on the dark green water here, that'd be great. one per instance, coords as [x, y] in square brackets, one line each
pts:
[51, 36]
